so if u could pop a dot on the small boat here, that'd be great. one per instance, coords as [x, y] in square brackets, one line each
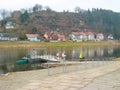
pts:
[22, 61]
[37, 58]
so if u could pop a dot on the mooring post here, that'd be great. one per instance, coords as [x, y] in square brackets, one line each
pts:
[48, 69]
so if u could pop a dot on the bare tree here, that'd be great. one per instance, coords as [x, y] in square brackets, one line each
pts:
[4, 14]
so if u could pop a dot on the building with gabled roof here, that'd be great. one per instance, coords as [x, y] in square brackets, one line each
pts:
[33, 37]
[99, 36]
[8, 37]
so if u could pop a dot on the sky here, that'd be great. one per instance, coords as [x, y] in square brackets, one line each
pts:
[60, 5]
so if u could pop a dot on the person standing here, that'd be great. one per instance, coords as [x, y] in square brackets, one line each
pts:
[34, 53]
[58, 55]
[81, 56]
[63, 55]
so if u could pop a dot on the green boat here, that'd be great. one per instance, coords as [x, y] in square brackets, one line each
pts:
[22, 61]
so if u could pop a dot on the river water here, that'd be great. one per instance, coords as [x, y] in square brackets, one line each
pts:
[8, 56]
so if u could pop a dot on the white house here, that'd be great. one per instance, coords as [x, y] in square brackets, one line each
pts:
[8, 37]
[90, 36]
[81, 36]
[9, 25]
[110, 37]
[99, 36]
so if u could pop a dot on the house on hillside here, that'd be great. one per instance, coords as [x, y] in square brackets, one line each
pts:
[33, 37]
[9, 25]
[99, 36]
[8, 37]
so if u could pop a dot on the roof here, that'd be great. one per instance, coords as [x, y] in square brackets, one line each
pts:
[99, 34]
[88, 33]
[78, 33]
[32, 35]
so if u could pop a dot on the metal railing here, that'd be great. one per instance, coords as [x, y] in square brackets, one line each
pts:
[76, 65]
[63, 66]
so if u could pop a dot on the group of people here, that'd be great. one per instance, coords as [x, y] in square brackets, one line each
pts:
[60, 55]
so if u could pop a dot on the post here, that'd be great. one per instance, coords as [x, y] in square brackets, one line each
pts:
[48, 69]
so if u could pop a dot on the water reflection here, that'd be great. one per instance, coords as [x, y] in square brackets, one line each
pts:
[10, 55]
[90, 52]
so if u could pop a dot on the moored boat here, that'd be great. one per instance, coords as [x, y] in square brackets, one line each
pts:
[37, 58]
[33, 57]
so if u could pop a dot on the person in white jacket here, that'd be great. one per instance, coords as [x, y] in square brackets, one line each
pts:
[63, 55]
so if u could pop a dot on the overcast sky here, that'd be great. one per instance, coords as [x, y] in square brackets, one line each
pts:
[60, 5]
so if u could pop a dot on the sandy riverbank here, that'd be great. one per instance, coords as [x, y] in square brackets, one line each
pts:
[104, 73]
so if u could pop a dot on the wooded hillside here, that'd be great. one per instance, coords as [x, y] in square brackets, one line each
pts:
[38, 20]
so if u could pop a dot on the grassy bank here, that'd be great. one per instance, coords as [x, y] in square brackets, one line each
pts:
[52, 44]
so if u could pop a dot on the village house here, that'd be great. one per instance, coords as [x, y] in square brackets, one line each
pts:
[33, 37]
[110, 37]
[8, 37]
[81, 36]
[77, 36]
[99, 36]
[51, 36]
[61, 37]
[74, 36]
[90, 36]
[9, 25]
[86, 36]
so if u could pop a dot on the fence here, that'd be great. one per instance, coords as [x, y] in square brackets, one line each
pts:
[76, 65]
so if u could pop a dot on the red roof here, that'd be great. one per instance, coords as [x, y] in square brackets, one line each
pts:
[75, 33]
[78, 33]
[81, 33]
[99, 34]
[32, 35]
[88, 33]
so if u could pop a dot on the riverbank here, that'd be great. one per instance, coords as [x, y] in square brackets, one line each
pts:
[25, 44]
[79, 79]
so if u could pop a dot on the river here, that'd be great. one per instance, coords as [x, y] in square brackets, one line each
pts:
[8, 56]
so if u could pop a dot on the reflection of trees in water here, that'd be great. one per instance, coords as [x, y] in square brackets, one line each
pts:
[7, 67]
[11, 55]
[91, 52]
[28, 66]
[3, 69]
[110, 51]
[99, 51]
[116, 52]
[73, 53]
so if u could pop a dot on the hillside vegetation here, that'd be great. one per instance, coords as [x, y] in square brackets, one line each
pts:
[39, 20]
